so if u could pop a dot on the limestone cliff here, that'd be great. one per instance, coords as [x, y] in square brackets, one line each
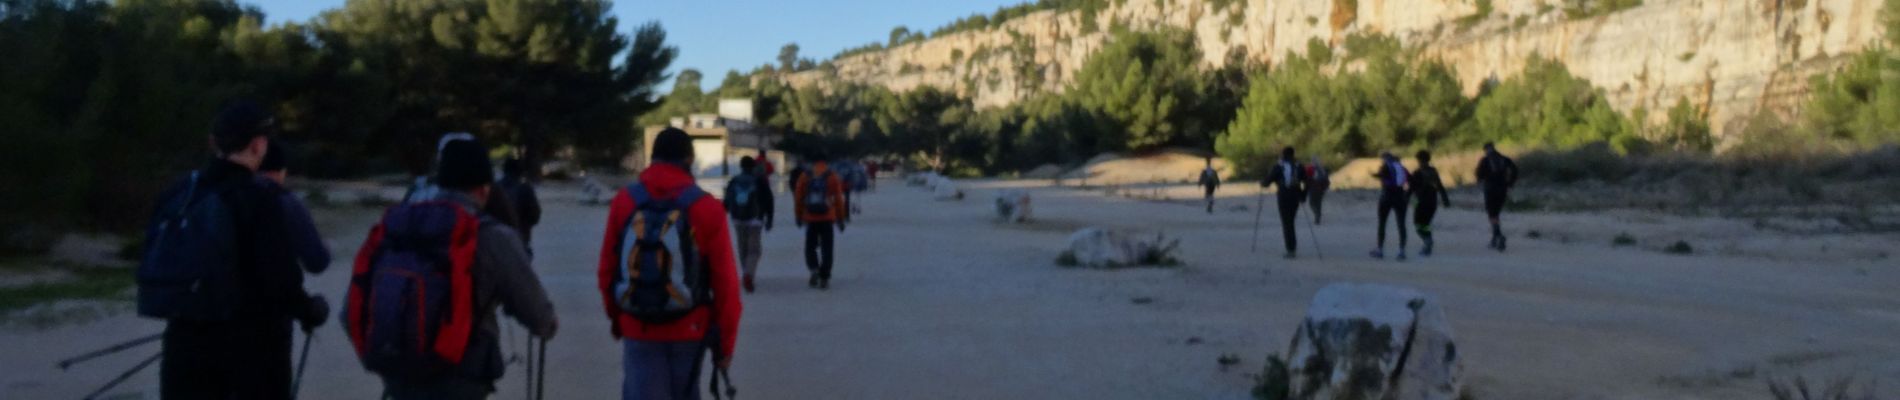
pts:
[1731, 57]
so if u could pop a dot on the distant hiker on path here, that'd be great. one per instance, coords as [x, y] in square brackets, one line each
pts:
[1392, 201]
[228, 336]
[520, 192]
[820, 205]
[749, 203]
[1318, 181]
[1497, 174]
[667, 277]
[1428, 189]
[487, 269]
[1288, 175]
[1210, 180]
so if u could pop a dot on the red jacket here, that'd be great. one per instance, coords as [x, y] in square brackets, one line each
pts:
[711, 236]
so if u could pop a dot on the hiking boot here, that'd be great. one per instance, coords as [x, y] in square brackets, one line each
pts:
[1401, 255]
[813, 283]
[1427, 251]
[1379, 254]
[1500, 244]
[824, 284]
[748, 284]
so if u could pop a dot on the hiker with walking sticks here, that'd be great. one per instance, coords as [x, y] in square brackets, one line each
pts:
[1292, 181]
[219, 269]
[439, 259]
[667, 277]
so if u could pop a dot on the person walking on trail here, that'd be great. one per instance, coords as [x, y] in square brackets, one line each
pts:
[821, 206]
[1287, 174]
[667, 277]
[749, 203]
[1210, 180]
[1393, 186]
[305, 242]
[1496, 174]
[487, 273]
[1428, 189]
[1318, 181]
[219, 268]
[527, 204]
[499, 205]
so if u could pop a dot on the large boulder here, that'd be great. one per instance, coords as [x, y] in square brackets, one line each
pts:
[1365, 341]
[1103, 248]
[1013, 206]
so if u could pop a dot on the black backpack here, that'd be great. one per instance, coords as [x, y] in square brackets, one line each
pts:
[189, 271]
[743, 195]
[818, 193]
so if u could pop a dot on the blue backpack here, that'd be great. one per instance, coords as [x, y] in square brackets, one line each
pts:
[661, 278]
[743, 194]
[818, 193]
[189, 271]
[411, 308]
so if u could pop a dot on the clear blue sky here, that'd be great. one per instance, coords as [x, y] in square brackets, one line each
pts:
[719, 35]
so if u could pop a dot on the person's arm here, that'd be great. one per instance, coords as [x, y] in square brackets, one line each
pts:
[798, 199]
[728, 199]
[610, 256]
[304, 239]
[1443, 193]
[1484, 169]
[1268, 181]
[279, 278]
[503, 265]
[1510, 166]
[712, 234]
[768, 199]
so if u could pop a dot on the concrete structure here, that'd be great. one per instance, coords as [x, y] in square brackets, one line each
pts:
[719, 140]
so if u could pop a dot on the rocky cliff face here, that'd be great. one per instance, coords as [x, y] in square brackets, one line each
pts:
[1732, 57]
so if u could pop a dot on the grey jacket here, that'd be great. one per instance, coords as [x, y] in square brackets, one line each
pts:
[504, 280]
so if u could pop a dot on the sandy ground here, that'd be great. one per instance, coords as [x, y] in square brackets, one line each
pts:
[934, 300]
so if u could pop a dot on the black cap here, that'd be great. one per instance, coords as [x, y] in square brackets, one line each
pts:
[672, 145]
[464, 165]
[276, 159]
[240, 122]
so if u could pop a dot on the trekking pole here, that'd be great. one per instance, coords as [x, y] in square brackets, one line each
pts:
[303, 362]
[541, 376]
[1257, 208]
[68, 363]
[529, 377]
[127, 375]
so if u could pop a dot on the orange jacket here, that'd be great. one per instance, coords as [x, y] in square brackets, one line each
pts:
[834, 194]
[711, 236]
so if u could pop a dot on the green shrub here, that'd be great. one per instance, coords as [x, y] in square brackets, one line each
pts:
[1680, 248]
[1623, 239]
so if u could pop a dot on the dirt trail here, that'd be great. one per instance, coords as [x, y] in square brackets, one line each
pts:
[934, 300]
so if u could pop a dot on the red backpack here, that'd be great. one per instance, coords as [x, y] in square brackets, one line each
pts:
[411, 302]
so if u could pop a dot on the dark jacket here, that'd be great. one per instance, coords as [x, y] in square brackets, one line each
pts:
[527, 206]
[270, 283]
[1427, 186]
[504, 280]
[763, 190]
[1497, 172]
[1291, 178]
[305, 241]
[1392, 181]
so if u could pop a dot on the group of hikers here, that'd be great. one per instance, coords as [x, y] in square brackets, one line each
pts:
[228, 246]
[1307, 184]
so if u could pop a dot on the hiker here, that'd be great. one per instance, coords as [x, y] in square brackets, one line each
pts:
[798, 171]
[1497, 174]
[766, 168]
[1318, 181]
[1292, 192]
[1392, 201]
[527, 205]
[749, 203]
[820, 206]
[219, 270]
[870, 173]
[1428, 189]
[305, 242]
[498, 205]
[1210, 180]
[668, 314]
[488, 269]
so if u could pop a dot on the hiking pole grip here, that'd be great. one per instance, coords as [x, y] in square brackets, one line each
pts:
[68, 363]
[123, 376]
